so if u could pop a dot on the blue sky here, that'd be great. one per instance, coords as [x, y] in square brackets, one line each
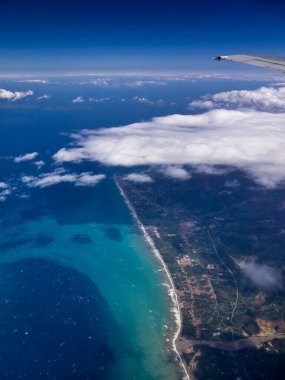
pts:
[136, 36]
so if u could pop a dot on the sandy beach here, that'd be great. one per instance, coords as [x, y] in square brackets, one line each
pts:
[172, 291]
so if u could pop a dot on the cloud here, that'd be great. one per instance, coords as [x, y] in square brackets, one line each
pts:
[252, 141]
[232, 184]
[138, 178]
[124, 81]
[79, 99]
[4, 194]
[211, 170]
[264, 99]
[277, 84]
[3, 185]
[24, 196]
[176, 172]
[142, 99]
[102, 82]
[13, 96]
[245, 77]
[137, 99]
[39, 164]
[143, 82]
[61, 176]
[5, 191]
[89, 179]
[99, 100]
[26, 157]
[37, 81]
[263, 276]
[45, 96]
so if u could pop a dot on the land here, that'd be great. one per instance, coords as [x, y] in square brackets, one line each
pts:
[206, 230]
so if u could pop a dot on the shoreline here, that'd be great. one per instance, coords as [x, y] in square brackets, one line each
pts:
[173, 294]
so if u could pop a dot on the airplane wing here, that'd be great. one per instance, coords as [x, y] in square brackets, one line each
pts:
[267, 62]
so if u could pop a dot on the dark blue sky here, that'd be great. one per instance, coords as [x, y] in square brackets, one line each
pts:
[134, 35]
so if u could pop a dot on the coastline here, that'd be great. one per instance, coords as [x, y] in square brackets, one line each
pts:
[172, 293]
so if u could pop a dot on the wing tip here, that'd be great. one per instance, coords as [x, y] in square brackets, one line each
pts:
[220, 57]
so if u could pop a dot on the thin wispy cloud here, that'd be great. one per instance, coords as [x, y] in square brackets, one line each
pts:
[43, 97]
[147, 80]
[61, 176]
[142, 99]
[124, 81]
[210, 169]
[263, 276]
[232, 184]
[144, 82]
[135, 99]
[278, 84]
[99, 100]
[26, 157]
[36, 81]
[39, 164]
[79, 99]
[101, 82]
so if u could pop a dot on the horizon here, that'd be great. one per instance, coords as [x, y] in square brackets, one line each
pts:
[159, 37]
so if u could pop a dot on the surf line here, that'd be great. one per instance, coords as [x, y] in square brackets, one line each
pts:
[173, 294]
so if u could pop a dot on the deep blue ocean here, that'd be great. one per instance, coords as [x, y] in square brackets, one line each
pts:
[81, 294]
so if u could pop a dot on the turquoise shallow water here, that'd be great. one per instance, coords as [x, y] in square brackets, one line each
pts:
[118, 261]
[82, 295]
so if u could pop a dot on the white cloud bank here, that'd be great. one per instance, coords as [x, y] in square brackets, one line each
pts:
[264, 99]
[253, 141]
[138, 178]
[61, 176]
[13, 96]
[263, 276]
[26, 157]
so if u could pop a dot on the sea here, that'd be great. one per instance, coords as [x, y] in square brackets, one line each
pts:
[82, 295]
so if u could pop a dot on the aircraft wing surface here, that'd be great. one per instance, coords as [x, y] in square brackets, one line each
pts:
[268, 62]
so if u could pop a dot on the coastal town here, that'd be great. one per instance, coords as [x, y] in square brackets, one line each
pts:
[227, 323]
